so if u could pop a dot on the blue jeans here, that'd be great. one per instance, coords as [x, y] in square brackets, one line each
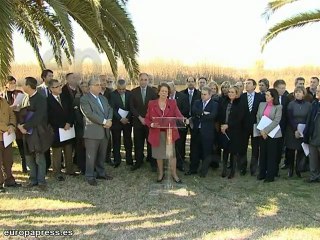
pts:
[37, 165]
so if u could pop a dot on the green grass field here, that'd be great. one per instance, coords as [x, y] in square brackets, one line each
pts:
[124, 208]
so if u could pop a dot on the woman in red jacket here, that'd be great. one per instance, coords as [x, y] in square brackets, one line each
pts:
[162, 107]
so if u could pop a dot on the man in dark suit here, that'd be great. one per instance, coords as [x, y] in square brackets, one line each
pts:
[43, 89]
[250, 102]
[60, 115]
[312, 89]
[140, 96]
[183, 105]
[69, 90]
[35, 117]
[97, 115]
[280, 86]
[204, 113]
[122, 122]
[192, 94]
[106, 90]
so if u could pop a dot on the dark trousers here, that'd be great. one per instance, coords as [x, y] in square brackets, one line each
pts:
[109, 148]
[80, 152]
[127, 142]
[96, 150]
[201, 148]
[48, 158]
[6, 162]
[180, 146]
[21, 152]
[254, 153]
[140, 136]
[268, 153]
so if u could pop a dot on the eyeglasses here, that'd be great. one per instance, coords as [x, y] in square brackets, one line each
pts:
[109, 81]
[57, 86]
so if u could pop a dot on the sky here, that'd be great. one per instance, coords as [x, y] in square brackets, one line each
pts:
[223, 32]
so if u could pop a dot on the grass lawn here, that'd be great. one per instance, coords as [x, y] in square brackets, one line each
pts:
[124, 208]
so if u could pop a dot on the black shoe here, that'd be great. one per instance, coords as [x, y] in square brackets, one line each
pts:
[190, 173]
[135, 167]
[13, 185]
[284, 166]
[116, 165]
[93, 182]
[106, 177]
[202, 175]
[161, 179]
[177, 180]
[260, 177]
[2, 190]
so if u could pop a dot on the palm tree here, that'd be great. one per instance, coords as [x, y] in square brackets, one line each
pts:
[106, 22]
[298, 20]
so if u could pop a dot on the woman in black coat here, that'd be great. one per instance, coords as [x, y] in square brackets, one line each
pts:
[231, 119]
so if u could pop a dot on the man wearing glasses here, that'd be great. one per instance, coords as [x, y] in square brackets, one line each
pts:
[60, 116]
[97, 115]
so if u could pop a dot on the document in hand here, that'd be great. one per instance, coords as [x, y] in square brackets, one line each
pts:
[66, 134]
[18, 99]
[8, 139]
[264, 122]
[123, 113]
[305, 148]
[300, 129]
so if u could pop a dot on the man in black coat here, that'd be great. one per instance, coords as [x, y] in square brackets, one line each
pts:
[250, 101]
[183, 105]
[140, 96]
[60, 116]
[121, 122]
[204, 113]
[33, 117]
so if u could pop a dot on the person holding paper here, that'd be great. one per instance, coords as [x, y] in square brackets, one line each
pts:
[121, 122]
[11, 95]
[268, 146]
[7, 124]
[60, 115]
[33, 124]
[162, 107]
[312, 137]
[97, 118]
[297, 112]
[231, 118]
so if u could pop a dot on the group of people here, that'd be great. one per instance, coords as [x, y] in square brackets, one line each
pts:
[220, 121]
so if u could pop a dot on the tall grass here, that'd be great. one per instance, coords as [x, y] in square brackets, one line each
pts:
[178, 72]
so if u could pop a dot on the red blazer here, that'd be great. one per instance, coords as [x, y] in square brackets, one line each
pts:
[154, 110]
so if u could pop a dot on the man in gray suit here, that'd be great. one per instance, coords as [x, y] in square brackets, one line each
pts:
[97, 117]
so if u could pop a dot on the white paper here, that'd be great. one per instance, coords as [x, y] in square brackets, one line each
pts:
[264, 122]
[66, 134]
[8, 139]
[18, 100]
[305, 148]
[123, 113]
[301, 128]
[256, 132]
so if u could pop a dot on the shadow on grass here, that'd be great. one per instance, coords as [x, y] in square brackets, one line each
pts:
[241, 208]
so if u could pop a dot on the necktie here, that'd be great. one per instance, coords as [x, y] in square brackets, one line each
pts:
[123, 99]
[143, 94]
[250, 102]
[59, 100]
[203, 105]
[190, 97]
[100, 104]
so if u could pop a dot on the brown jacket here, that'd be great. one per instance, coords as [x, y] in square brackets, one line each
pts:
[7, 117]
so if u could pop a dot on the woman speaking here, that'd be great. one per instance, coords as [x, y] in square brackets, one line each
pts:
[162, 108]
